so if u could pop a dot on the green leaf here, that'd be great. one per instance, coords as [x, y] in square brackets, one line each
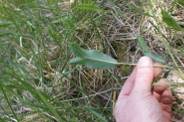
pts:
[145, 50]
[155, 57]
[89, 7]
[169, 20]
[92, 58]
[142, 44]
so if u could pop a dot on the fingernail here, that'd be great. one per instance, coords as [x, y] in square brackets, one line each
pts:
[144, 61]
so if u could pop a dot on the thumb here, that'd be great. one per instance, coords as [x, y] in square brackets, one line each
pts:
[144, 75]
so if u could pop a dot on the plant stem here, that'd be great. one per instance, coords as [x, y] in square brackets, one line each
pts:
[162, 66]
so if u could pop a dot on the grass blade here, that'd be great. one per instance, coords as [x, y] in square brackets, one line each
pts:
[49, 105]
[5, 24]
[168, 83]
[99, 116]
[9, 104]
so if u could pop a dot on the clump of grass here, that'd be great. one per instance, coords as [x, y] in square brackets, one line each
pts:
[37, 81]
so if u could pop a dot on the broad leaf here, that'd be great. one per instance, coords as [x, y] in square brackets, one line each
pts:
[145, 50]
[142, 44]
[169, 20]
[89, 7]
[155, 57]
[92, 58]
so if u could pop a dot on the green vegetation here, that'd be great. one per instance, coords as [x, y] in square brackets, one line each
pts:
[37, 38]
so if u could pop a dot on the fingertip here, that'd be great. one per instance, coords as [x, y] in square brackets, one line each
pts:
[161, 87]
[157, 70]
[158, 63]
[167, 97]
[144, 75]
[145, 61]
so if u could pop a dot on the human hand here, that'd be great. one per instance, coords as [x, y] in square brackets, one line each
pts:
[138, 101]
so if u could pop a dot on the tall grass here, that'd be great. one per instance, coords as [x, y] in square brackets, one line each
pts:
[38, 83]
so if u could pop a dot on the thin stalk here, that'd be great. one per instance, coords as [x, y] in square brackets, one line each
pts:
[161, 66]
[9, 104]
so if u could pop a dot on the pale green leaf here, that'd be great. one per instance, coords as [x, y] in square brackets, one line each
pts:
[142, 44]
[92, 58]
[169, 20]
[155, 57]
[89, 7]
[145, 50]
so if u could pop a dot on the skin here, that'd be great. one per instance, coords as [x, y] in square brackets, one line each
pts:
[138, 101]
